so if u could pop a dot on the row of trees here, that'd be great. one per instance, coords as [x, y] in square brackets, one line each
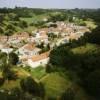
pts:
[7, 63]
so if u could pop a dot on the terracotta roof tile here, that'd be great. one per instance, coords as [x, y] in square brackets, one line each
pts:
[41, 56]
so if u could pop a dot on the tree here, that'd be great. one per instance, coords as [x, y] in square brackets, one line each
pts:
[13, 17]
[10, 27]
[68, 95]
[9, 32]
[1, 18]
[93, 83]
[1, 30]
[7, 72]
[94, 36]
[17, 93]
[59, 16]
[13, 58]
[30, 85]
[1, 81]
[6, 68]
[23, 24]
[3, 57]
[61, 56]
[52, 36]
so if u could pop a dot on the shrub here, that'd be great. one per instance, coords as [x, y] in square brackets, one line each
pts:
[1, 81]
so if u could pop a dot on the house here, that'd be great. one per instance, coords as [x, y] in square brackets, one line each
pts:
[37, 35]
[31, 39]
[19, 36]
[3, 38]
[5, 48]
[1, 46]
[28, 50]
[45, 19]
[37, 60]
[74, 36]
[41, 36]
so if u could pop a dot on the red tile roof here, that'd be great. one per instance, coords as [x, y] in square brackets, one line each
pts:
[41, 56]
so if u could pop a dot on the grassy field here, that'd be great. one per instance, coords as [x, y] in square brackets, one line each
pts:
[11, 84]
[84, 49]
[29, 29]
[38, 72]
[91, 24]
[34, 18]
[28, 20]
[31, 20]
[21, 73]
[55, 84]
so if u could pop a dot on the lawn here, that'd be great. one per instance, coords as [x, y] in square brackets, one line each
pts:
[38, 72]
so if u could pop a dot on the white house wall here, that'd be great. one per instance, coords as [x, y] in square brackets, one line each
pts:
[37, 63]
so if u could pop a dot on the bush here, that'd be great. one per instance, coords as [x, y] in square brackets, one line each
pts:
[93, 83]
[27, 85]
[1, 81]
[68, 95]
[27, 68]
[23, 24]
[13, 58]
[31, 86]
[9, 74]
[1, 30]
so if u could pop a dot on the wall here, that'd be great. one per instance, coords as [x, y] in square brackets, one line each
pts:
[37, 63]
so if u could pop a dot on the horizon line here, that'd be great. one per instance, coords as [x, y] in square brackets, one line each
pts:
[46, 8]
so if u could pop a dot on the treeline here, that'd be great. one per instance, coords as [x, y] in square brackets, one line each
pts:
[80, 13]
[24, 12]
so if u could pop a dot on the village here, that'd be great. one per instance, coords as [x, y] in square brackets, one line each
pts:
[33, 50]
[49, 53]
